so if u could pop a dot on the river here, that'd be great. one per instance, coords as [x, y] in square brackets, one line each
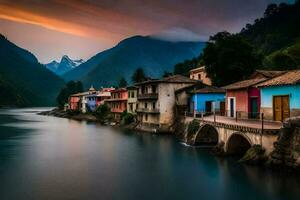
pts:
[52, 158]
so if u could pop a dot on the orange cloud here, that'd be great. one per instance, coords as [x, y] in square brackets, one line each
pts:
[18, 15]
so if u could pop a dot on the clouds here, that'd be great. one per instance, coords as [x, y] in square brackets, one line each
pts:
[113, 20]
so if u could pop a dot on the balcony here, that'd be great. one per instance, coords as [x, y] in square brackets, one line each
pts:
[147, 110]
[148, 96]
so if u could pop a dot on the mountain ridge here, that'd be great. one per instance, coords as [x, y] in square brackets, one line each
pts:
[154, 55]
[23, 80]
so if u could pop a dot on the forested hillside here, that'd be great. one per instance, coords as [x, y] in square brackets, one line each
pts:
[23, 80]
[271, 42]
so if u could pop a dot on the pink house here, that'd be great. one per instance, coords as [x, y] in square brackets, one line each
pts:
[118, 102]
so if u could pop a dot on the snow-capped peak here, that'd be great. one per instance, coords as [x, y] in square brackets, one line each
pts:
[66, 64]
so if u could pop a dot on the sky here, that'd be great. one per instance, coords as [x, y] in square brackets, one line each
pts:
[82, 28]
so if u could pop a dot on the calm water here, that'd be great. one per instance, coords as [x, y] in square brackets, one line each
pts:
[51, 158]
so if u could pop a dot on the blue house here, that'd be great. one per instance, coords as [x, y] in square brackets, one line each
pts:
[207, 100]
[91, 99]
[280, 96]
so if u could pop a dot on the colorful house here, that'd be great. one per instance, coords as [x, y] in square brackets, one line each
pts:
[104, 94]
[280, 96]
[132, 99]
[208, 100]
[156, 102]
[243, 99]
[200, 74]
[118, 102]
[74, 101]
[88, 100]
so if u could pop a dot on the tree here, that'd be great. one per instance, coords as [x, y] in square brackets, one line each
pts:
[72, 87]
[183, 68]
[138, 76]
[271, 9]
[167, 74]
[122, 83]
[103, 112]
[229, 58]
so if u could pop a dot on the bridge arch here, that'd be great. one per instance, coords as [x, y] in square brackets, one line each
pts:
[238, 144]
[207, 135]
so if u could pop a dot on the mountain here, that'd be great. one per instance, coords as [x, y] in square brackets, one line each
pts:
[66, 64]
[23, 80]
[154, 55]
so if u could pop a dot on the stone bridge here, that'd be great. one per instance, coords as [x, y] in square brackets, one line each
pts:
[236, 136]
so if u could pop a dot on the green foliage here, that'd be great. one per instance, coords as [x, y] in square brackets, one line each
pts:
[126, 118]
[229, 58]
[122, 83]
[72, 87]
[138, 76]
[288, 58]
[183, 68]
[193, 127]
[103, 112]
[278, 29]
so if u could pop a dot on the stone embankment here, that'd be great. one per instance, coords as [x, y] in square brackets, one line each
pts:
[287, 148]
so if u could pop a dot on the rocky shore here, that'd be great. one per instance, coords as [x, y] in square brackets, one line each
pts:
[70, 115]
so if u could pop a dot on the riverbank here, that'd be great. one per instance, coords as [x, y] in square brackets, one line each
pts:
[70, 115]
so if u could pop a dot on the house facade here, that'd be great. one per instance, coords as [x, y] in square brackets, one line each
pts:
[156, 102]
[104, 94]
[243, 99]
[200, 74]
[280, 96]
[74, 102]
[118, 102]
[208, 100]
[132, 99]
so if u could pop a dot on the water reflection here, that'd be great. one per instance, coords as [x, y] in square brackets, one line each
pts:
[53, 158]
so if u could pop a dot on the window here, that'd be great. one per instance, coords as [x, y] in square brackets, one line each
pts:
[146, 105]
[131, 107]
[199, 76]
[132, 94]
[153, 105]
[146, 117]
[153, 89]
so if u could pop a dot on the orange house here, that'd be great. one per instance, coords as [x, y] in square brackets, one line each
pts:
[118, 102]
[74, 101]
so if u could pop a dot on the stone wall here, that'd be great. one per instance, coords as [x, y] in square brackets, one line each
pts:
[287, 147]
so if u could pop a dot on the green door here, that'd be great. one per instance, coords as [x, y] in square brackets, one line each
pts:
[254, 107]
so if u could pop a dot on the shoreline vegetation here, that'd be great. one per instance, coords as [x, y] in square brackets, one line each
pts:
[283, 158]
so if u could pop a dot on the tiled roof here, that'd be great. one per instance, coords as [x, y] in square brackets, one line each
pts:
[269, 73]
[190, 88]
[288, 78]
[80, 94]
[210, 89]
[202, 68]
[244, 84]
[171, 79]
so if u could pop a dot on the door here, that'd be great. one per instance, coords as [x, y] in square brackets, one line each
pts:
[285, 107]
[281, 107]
[231, 108]
[208, 106]
[222, 108]
[254, 107]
